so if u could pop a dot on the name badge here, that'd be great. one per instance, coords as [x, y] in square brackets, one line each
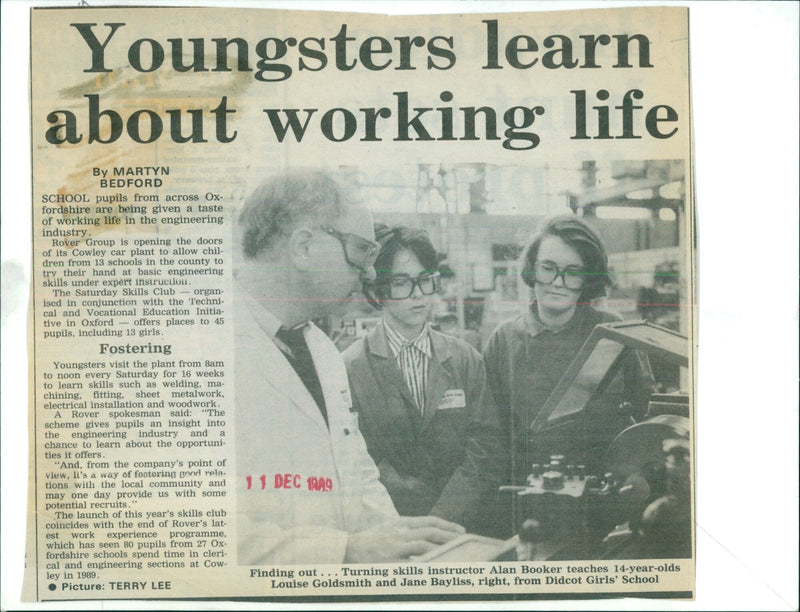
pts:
[452, 398]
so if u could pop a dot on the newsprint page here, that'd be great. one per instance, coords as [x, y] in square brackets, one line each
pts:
[345, 307]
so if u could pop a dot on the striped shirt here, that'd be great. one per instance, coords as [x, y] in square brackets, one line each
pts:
[412, 357]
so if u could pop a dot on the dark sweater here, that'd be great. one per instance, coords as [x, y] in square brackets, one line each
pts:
[524, 362]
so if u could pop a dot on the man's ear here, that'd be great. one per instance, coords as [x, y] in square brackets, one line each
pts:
[372, 294]
[299, 248]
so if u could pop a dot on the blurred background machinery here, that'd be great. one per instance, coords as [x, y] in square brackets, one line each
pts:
[480, 216]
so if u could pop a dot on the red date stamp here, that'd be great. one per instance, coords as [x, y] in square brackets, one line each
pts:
[291, 481]
[319, 483]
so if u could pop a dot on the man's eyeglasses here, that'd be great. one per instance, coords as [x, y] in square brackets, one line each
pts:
[546, 272]
[402, 287]
[359, 252]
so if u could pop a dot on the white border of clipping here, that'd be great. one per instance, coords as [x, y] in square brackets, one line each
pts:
[744, 63]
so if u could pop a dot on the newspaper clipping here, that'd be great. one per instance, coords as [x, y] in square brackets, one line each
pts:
[342, 307]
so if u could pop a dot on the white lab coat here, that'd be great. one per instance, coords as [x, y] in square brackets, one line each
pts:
[280, 431]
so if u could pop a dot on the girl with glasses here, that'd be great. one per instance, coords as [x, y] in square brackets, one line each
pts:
[421, 395]
[566, 267]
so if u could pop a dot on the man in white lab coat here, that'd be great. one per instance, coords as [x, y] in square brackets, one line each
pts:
[307, 490]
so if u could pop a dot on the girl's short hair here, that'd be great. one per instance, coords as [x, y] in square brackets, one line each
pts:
[584, 240]
[398, 238]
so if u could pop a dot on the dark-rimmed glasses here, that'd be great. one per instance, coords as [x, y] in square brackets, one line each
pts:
[359, 252]
[546, 272]
[402, 287]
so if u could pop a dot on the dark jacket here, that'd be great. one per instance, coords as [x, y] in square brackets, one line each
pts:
[524, 363]
[438, 462]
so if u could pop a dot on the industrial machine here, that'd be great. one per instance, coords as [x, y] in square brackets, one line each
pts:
[604, 482]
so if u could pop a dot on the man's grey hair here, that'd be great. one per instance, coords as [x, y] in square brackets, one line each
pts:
[283, 202]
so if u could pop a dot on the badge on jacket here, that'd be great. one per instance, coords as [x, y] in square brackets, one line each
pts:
[452, 398]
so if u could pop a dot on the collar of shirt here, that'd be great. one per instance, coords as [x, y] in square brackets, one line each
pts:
[397, 342]
[534, 325]
[267, 322]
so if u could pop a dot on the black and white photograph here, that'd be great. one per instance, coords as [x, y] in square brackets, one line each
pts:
[508, 372]
[396, 304]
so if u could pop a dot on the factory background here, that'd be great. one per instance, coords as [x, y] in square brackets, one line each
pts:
[479, 216]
